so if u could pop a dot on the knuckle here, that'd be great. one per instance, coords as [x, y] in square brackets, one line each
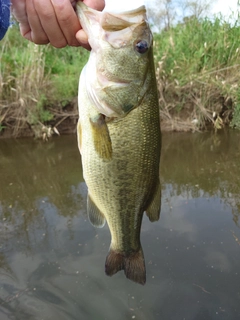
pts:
[66, 20]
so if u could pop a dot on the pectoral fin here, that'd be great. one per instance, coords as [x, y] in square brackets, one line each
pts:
[153, 210]
[101, 137]
[95, 216]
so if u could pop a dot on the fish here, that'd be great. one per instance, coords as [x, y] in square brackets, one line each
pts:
[118, 132]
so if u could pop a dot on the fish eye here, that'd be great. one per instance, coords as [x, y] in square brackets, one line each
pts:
[141, 46]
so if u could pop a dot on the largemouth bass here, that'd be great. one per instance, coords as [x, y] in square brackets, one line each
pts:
[119, 132]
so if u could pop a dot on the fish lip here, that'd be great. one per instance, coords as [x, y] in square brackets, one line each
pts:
[82, 12]
[86, 14]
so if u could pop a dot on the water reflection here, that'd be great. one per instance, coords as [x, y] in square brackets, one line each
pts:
[204, 165]
[51, 258]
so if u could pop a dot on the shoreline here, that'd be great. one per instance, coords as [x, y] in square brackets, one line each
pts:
[69, 127]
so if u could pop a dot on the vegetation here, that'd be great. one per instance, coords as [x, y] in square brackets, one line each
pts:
[38, 84]
[163, 14]
[198, 65]
[197, 70]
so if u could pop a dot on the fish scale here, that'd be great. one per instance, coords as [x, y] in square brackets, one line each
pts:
[121, 154]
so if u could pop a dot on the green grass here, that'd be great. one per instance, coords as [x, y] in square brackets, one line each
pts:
[65, 66]
[197, 70]
[36, 81]
[235, 123]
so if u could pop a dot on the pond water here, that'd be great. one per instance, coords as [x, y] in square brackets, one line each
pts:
[52, 259]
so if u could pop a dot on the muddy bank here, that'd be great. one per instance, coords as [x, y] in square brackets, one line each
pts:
[64, 122]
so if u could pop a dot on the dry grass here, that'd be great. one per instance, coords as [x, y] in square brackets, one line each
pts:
[197, 75]
[38, 85]
[21, 91]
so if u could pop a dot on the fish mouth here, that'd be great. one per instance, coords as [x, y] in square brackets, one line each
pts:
[90, 19]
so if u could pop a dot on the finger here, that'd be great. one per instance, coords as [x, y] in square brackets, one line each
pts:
[67, 20]
[49, 23]
[95, 4]
[82, 38]
[18, 9]
[36, 33]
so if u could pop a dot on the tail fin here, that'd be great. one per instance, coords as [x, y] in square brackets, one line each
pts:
[132, 264]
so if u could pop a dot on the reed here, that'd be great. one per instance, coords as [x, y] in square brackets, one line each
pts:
[36, 83]
[198, 65]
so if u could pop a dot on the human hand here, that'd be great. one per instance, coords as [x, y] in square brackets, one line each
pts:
[54, 21]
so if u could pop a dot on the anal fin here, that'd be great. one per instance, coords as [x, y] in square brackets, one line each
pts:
[101, 137]
[95, 216]
[154, 208]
